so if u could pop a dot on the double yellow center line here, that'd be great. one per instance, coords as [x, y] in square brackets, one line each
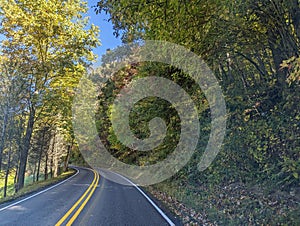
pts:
[83, 200]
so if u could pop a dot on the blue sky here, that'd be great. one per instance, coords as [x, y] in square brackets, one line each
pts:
[108, 41]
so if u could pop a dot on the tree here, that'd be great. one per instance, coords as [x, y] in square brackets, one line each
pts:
[253, 48]
[50, 41]
[247, 44]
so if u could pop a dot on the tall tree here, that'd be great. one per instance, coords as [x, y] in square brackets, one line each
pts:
[11, 97]
[51, 41]
[247, 44]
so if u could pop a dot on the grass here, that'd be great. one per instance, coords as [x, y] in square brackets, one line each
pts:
[10, 184]
[29, 188]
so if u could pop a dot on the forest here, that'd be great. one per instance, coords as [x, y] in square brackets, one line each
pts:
[252, 47]
[46, 47]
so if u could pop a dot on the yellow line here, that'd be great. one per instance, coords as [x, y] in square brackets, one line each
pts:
[78, 201]
[83, 204]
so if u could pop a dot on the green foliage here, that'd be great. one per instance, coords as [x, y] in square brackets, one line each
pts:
[241, 44]
[293, 67]
[46, 48]
[253, 48]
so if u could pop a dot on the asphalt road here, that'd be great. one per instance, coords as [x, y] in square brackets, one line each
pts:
[85, 199]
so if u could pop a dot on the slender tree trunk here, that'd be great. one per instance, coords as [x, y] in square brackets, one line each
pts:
[16, 175]
[24, 151]
[67, 159]
[39, 166]
[46, 167]
[56, 162]
[19, 142]
[56, 167]
[56, 156]
[8, 159]
[7, 174]
[40, 156]
[66, 162]
[51, 167]
[34, 172]
[52, 156]
[3, 134]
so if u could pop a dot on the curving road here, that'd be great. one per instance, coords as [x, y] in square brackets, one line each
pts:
[85, 199]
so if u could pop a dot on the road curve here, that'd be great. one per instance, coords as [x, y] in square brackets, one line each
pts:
[47, 207]
[119, 204]
[105, 203]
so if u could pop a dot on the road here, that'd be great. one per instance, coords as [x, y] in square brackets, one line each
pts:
[85, 199]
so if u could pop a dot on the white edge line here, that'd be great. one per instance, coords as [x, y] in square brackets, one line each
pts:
[149, 200]
[41, 192]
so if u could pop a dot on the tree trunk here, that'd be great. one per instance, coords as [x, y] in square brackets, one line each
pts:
[46, 168]
[51, 167]
[52, 156]
[39, 166]
[67, 159]
[8, 160]
[34, 172]
[56, 167]
[56, 163]
[16, 175]
[40, 155]
[7, 174]
[57, 155]
[66, 162]
[24, 150]
[3, 134]
[19, 142]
